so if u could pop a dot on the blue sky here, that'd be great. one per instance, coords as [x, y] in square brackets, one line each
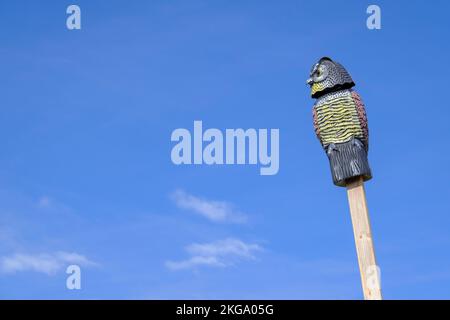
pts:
[85, 169]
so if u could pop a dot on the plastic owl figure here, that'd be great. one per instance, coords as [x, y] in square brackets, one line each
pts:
[340, 121]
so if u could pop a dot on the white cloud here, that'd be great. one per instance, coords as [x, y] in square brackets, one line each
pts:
[216, 211]
[220, 253]
[227, 247]
[44, 263]
[193, 262]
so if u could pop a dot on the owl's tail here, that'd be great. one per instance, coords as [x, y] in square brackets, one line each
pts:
[348, 160]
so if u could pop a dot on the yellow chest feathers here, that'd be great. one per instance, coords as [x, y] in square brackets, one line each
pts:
[337, 119]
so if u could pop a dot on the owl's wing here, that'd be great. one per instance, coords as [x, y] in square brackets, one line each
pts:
[316, 124]
[362, 118]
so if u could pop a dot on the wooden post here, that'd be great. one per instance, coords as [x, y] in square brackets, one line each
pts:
[368, 268]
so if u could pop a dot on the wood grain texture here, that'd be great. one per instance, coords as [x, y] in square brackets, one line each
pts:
[370, 276]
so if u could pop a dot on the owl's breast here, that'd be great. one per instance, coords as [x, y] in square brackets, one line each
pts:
[337, 118]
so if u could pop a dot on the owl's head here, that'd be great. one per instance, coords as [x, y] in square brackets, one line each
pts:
[327, 76]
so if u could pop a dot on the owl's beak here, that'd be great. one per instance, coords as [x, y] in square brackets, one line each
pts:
[309, 81]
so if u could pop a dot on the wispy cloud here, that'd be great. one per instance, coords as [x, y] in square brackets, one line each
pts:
[43, 263]
[216, 211]
[220, 253]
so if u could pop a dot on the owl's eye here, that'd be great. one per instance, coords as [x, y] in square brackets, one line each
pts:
[320, 74]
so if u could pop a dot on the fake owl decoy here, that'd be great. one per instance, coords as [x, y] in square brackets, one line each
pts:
[340, 121]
